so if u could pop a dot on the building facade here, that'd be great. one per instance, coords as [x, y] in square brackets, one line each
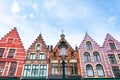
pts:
[94, 63]
[12, 56]
[36, 63]
[72, 64]
[111, 49]
[40, 61]
[100, 62]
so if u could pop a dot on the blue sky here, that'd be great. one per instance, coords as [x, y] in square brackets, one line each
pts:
[49, 17]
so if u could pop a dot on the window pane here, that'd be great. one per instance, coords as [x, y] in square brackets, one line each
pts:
[88, 45]
[116, 71]
[32, 55]
[112, 58]
[73, 68]
[2, 51]
[41, 56]
[100, 70]
[87, 57]
[38, 47]
[89, 70]
[34, 70]
[2, 66]
[12, 69]
[54, 69]
[96, 56]
[112, 46]
[11, 53]
[27, 70]
[43, 70]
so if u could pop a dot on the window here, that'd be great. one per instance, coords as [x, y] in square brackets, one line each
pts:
[26, 71]
[2, 51]
[116, 71]
[96, 56]
[72, 53]
[54, 54]
[38, 47]
[119, 56]
[87, 57]
[2, 66]
[11, 53]
[43, 70]
[32, 55]
[54, 69]
[41, 56]
[112, 58]
[34, 70]
[112, 46]
[66, 70]
[73, 68]
[88, 45]
[12, 69]
[100, 70]
[89, 70]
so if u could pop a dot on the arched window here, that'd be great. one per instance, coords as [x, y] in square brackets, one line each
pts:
[34, 70]
[38, 47]
[88, 45]
[43, 70]
[96, 56]
[87, 57]
[100, 70]
[89, 70]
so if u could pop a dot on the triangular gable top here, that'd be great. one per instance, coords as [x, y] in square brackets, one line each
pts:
[109, 38]
[88, 38]
[12, 36]
[39, 40]
[63, 39]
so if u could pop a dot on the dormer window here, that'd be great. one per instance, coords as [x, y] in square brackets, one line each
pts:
[88, 45]
[112, 46]
[38, 47]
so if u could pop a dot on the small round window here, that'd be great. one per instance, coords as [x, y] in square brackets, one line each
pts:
[38, 47]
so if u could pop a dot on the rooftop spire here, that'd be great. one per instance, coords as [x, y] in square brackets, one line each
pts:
[62, 35]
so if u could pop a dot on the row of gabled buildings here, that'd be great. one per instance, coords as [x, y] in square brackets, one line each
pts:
[42, 61]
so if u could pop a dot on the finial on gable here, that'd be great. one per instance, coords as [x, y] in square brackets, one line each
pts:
[86, 33]
[62, 35]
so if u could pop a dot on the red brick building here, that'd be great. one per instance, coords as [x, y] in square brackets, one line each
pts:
[72, 64]
[36, 63]
[12, 55]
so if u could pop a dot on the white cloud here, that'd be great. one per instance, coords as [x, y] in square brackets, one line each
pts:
[31, 15]
[111, 21]
[15, 7]
[35, 6]
[49, 4]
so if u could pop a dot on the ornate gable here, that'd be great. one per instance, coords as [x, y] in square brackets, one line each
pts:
[88, 38]
[110, 39]
[63, 39]
[41, 43]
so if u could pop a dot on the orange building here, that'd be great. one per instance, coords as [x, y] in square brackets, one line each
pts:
[12, 55]
[72, 64]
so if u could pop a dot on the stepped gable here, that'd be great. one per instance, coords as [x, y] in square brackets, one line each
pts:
[12, 37]
[109, 38]
[40, 40]
[87, 37]
[63, 39]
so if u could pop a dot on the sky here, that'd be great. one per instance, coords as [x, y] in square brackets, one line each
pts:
[50, 17]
